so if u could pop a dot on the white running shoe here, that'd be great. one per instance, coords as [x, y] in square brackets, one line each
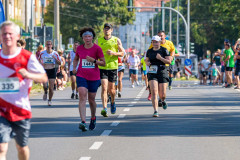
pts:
[137, 83]
[132, 85]
[49, 103]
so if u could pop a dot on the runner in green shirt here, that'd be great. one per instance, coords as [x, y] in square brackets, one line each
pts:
[171, 69]
[229, 63]
[112, 49]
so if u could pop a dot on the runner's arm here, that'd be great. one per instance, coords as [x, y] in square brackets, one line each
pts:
[166, 60]
[37, 77]
[101, 61]
[57, 58]
[147, 61]
[75, 62]
[69, 61]
[120, 49]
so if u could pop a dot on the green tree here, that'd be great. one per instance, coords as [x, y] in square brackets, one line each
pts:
[77, 14]
[211, 22]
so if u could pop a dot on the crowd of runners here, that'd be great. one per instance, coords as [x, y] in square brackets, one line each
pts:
[95, 63]
[223, 69]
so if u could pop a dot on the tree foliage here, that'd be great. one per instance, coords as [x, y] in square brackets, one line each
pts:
[76, 14]
[212, 21]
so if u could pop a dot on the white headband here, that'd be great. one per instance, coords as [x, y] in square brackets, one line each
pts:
[87, 33]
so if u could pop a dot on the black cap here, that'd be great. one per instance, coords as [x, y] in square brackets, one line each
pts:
[107, 25]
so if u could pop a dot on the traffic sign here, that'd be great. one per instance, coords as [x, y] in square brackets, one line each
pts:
[188, 62]
[70, 46]
[188, 71]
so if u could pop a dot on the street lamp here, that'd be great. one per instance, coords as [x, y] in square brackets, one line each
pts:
[42, 22]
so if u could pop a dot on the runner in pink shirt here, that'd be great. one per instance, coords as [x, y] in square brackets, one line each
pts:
[89, 56]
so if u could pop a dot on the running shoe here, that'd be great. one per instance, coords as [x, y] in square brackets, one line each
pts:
[45, 97]
[113, 108]
[228, 86]
[155, 114]
[76, 96]
[49, 103]
[83, 127]
[92, 125]
[236, 88]
[104, 112]
[170, 87]
[165, 105]
[137, 83]
[119, 95]
[132, 85]
[149, 97]
[160, 103]
[72, 96]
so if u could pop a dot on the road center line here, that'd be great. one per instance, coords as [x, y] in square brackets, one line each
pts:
[106, 133]
[115, 123]
[96, 145]
[127, 109]
[133, 102]
[121, 115]
[85, 158]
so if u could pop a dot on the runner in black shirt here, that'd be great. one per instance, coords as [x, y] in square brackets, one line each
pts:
[156, 59]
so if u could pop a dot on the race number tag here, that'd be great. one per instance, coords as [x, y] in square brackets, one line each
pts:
[48, 60]
[86, 64]
[9, 85]
[132, 66]
[153, 69]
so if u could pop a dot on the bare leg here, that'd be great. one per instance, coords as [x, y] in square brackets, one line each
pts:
[154, 93]
[104, 95]
[3, 150]
[111, 90]
[51, 85]
[23, 152]
[82, 102]
[92, 103]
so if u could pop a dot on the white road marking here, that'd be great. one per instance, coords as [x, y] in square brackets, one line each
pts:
[96, 145]
[106, 133]
[85, 158]
[136, 99]
[126, 109]
[130, 105]
[133, 102]
[121, 115]
[115, 123]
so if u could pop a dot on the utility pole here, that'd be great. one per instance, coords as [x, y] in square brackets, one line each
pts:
[170, 22]
[7, 10]
[163, 16]
[26, 16]
[177, 24]
[152, 26]
[188, 36]
[56, 24]
[42, 23]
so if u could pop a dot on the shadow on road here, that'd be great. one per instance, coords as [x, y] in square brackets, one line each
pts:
[182, 125]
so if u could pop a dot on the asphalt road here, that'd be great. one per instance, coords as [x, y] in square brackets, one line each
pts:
[201, 123]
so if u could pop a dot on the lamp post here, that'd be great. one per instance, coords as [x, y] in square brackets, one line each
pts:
[184, 20]
[177, 24]
[42, 22]
[188, 36]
